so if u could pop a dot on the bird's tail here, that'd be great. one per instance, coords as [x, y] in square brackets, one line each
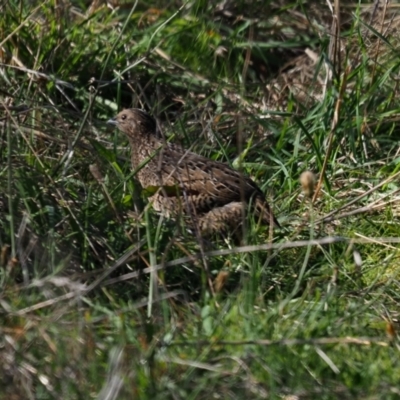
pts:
[264, 213]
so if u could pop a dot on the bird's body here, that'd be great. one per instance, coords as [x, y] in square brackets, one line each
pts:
[211, 193]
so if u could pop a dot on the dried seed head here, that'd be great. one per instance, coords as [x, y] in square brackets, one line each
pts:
[95, 171]
[4, 255]
[220, 280]
[390, 330]
[307, 181]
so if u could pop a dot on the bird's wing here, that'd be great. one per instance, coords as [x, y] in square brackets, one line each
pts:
[207, 183]
[197, 174]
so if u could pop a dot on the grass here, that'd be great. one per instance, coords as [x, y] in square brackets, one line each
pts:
[102, 298]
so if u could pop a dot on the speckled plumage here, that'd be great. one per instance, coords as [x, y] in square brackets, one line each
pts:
[210, 192]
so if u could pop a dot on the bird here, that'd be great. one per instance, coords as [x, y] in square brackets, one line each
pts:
[179, 182]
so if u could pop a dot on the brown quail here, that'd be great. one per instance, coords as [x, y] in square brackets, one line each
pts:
[211, 193]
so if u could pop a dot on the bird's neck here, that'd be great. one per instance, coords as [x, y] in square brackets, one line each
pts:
[143, 149]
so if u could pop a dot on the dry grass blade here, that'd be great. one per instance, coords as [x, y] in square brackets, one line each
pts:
[329, 216]
[361, 341]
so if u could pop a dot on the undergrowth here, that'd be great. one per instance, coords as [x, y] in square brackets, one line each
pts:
[102, 298]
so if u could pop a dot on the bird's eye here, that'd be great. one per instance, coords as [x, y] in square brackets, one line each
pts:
[123, 116]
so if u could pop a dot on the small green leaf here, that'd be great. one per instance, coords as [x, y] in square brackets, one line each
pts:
[127, 200]
[207, 320]
[170, 191]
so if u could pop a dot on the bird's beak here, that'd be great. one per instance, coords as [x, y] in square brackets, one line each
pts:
[112, 121]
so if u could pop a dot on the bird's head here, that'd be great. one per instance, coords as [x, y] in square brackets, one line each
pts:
[134, 121]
